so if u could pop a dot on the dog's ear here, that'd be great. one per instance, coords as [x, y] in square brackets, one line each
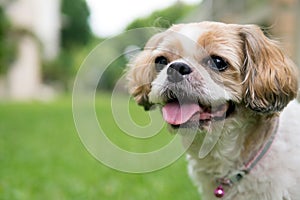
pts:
[141, 72]
[270, 77]
[140, 75]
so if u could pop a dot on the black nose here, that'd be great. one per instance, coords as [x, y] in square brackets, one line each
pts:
[176, 71]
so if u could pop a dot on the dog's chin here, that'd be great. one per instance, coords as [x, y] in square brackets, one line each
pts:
[195, 116]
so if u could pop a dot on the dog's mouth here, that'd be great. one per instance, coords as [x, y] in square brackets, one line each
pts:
[184, 114]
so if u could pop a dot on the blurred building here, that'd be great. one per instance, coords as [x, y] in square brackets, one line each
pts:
[280, 17]
[37, 23]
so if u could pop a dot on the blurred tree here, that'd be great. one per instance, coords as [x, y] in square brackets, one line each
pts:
[76, 30]
[75, 34]
[163, 18]
[7, 43]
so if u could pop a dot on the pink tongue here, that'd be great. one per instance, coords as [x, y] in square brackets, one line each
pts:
[177, 114]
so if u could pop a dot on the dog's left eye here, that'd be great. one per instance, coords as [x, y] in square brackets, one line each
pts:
[160, 63]
[216, 63]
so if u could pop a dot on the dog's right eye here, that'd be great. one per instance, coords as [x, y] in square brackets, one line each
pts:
[160, 63]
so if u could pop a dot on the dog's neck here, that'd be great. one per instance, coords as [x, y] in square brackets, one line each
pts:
[239, 143]
[258, 135]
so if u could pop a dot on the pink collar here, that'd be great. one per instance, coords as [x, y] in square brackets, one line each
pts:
[234, 178]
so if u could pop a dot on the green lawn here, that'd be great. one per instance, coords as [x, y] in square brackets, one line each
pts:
[42, 157]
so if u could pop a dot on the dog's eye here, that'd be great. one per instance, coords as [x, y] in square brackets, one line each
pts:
[160, 63]
[216, 63]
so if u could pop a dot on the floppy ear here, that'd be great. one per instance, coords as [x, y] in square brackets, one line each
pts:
[141, 72]
[140, 75]
[270, 77]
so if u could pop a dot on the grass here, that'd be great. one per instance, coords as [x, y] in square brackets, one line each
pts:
[42, 157]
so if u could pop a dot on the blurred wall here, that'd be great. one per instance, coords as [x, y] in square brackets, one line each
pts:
[38, 25]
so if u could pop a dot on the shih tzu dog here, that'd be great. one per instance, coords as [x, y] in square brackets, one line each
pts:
[229, 83]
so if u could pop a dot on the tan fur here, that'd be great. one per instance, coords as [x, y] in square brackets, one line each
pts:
[141, 74]
[270, 76]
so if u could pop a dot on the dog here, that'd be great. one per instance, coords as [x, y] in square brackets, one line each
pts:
[236, 89]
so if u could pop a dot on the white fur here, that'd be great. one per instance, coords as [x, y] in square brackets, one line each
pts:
[275, 177]
[157, 86]
[188, 38]
[213, 91]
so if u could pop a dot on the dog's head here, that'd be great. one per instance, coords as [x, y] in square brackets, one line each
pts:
[210, 71]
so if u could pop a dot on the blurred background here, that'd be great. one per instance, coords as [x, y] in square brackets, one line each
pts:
[42, 46]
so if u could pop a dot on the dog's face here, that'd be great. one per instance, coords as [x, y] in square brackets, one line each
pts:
[210, 72]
